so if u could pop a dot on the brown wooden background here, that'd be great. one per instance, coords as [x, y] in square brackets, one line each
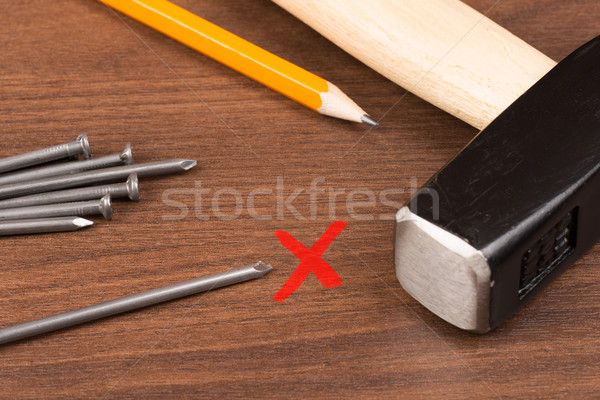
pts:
[68, 66]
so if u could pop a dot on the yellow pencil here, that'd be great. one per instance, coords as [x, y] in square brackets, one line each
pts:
[280, 75]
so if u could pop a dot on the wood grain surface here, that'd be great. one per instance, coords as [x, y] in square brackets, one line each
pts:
[71, 66]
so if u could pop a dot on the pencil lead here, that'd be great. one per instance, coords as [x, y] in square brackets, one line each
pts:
[369, 121]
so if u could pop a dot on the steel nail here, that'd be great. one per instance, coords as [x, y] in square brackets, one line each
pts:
[43, 225]
[96, 176]
[66, 150]
[133, 302]
[80, 209]
[123, 158]
[129, 189]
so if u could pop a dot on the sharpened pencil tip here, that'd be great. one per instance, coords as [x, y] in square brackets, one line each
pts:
[368, 120]
[262, 267]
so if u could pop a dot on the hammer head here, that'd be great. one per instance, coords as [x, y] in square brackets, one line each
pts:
[517, 206]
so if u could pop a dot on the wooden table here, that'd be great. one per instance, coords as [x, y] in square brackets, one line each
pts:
[70, 66]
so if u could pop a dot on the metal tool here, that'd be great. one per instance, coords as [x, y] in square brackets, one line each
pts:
[516, 207]
[94, 177]
[80, 209]
[519, 204]
[123, 158]
[133, 302]
[44, 225]
[128, 189]
[80, 146]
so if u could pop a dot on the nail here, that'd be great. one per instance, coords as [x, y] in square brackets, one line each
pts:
[129, 189]
[44, 225]
[133, 302]
[66, 150]
[80, 209]
[123, 158]
[96, 176]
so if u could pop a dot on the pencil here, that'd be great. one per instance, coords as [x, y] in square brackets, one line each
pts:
[274, 72]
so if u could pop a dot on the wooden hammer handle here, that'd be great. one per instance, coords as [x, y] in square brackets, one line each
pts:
[441, 50]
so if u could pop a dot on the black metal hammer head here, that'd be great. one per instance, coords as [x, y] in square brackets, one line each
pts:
[518, 205]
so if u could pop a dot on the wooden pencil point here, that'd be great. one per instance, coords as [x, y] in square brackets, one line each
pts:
[274, 72]
[336, 103]
[366, 119]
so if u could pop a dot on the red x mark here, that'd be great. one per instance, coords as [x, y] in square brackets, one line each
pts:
[310, 260]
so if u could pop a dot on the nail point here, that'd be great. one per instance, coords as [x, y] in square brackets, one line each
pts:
[188, 164]
[262, 267]
[82, 222]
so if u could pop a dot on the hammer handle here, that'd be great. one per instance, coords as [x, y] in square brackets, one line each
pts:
[441, 50]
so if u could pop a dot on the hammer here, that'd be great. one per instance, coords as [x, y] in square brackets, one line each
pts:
[520, 203]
